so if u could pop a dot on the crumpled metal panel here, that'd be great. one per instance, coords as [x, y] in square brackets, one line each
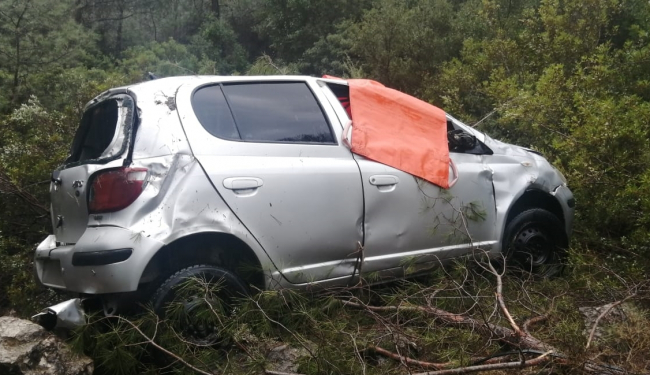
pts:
[307, 208]
[516, 170]
[177, 200]
[68, 314]
[159, 131]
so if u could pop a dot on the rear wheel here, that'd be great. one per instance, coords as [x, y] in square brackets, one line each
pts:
[195, 299]
[534, 242]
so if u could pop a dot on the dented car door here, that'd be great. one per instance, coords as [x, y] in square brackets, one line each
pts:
[274, 158]
[411, 223]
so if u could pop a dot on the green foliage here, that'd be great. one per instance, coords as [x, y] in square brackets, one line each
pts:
[400, 43]
[557, 84]
[294, 26]
[569, 79]
[27, 156]
[217, 43]
[168, 58]
[37, 38]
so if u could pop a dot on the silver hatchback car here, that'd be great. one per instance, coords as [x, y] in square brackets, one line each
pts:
[246, 179]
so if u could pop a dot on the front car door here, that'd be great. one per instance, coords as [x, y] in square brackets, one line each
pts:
[411, 224]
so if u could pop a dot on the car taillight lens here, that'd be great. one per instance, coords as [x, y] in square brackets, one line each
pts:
[116, 189]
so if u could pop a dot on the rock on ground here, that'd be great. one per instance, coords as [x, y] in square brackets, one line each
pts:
[27, 349]
[614, 315]
[284, 358]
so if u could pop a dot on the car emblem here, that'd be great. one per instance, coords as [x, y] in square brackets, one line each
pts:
[77, 184]
[59, 221]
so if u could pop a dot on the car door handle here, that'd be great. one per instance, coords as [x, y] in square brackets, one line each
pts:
[383, 180]
[242, 183]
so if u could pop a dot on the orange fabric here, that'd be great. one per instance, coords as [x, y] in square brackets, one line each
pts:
[398, 130]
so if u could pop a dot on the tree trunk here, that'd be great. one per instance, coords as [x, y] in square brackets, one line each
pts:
[215, 8]
[14, 88]
[120, 22]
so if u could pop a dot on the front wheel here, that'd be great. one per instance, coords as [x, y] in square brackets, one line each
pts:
[534, 241]
[195, 298]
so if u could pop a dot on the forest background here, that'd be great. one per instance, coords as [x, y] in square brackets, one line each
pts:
[570, 79]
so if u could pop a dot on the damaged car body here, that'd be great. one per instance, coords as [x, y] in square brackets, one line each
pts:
[250, 180]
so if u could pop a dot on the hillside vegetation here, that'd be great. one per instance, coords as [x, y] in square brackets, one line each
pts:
[570, 79]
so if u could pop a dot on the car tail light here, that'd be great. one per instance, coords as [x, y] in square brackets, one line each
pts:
[116, 189]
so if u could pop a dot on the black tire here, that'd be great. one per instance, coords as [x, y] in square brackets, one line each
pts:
[534, 241]
[228, 287]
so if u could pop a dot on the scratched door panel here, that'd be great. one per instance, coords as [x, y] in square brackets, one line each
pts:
[279, 167]
[417, 222]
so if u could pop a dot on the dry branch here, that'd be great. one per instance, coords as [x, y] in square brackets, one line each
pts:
[157, 346]
[606, 311]
[532, 321]
[406, 360]
[504, 334]
[542, 359]
[501, 302]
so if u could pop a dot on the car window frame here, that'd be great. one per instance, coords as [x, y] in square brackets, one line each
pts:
[128, 127]
[486, 150]
[335, 141]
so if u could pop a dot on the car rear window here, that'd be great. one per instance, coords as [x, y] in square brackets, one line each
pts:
[102, 131]
[263, 112]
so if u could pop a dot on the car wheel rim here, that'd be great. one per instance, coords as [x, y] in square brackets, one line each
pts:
[533, 247]
[199, 331]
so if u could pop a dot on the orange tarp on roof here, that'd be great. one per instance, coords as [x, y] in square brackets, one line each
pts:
[398, 130]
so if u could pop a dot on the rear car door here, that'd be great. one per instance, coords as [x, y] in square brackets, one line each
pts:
[271, 152]
[101, 142]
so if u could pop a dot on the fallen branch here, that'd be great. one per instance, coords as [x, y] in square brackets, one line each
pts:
[493, 366]
[430, 365]
[606, 311]
[155, 345]
[408, 361]
[501, 302]
[532, 321]
[504, 334]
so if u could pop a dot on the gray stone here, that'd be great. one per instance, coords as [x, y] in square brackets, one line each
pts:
[27, 349]
[613, 315]
[284, 358]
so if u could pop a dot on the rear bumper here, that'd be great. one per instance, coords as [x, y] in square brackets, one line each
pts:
[104, 260]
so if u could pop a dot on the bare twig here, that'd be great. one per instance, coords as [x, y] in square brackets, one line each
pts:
[409, 361]
[602, 315]
[532, 321]
[504, 334]
[493, 366]
[155, 345]
[356, 350]
[9, 187]
[298, 338]
[500, 301]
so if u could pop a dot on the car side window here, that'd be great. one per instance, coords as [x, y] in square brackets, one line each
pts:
[212, 110]
[284, 112]
[463, 142]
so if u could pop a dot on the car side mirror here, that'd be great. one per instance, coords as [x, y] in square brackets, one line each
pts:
[460, 141]
[468, 141]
